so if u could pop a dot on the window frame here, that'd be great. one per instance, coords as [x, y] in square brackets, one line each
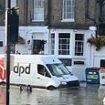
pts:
[63, 47]
[79, 50]
[52, 43]
[13, 3]
[47, 74]
[72, 12]
[36, 12]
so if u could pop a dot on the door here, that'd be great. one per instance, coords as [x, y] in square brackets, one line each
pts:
[38, 46]
[43, 76]
[79, 69]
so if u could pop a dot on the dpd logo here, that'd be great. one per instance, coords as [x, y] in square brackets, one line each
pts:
[20, 69]
[2, 70]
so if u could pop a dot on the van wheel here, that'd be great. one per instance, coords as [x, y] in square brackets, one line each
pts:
[29, 88]
[51, 88]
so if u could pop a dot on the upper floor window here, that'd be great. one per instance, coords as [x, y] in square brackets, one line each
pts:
[13, 3]
[79, 44]
[68, 10]
[38, 10]
[64, 43]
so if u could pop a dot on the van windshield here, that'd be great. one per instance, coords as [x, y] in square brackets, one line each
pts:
[58, 69]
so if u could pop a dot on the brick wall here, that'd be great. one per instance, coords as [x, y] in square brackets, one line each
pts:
[55, 17]
[2, 12]
[80, 19]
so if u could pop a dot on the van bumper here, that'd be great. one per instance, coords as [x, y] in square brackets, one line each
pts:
[71, 84]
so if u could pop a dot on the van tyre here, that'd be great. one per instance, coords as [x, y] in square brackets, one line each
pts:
[51, 88]
[21, 88]
[29, 88]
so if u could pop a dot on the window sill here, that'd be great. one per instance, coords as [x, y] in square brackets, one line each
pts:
[67, 20]
[37, 20]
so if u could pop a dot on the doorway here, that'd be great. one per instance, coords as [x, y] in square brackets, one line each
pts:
[38, 46]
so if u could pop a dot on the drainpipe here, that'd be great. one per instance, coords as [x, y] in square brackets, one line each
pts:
[88, 16]
[49, 13]
[49, 24]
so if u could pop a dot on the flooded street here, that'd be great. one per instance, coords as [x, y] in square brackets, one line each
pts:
[84, 95]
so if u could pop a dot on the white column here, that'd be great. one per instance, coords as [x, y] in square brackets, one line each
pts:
[72, 43]
[56, 43]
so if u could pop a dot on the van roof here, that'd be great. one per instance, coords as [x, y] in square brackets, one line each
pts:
[47, 59]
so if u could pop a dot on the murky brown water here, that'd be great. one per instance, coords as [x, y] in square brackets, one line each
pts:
[84, 95]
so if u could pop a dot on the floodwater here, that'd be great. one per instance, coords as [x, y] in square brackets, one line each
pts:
[83, 95]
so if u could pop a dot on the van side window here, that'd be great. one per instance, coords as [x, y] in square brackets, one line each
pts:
[42, 71]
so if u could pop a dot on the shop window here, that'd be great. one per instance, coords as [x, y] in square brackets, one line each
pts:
[13, 3]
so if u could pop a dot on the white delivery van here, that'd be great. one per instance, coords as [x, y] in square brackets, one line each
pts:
[40, 71]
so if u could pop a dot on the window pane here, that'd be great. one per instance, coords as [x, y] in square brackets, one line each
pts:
[79, 42]
[52, 43]
[13, 3]
[1, 43]
[64, 43]
[39, 10]
[102, 63]
[68, 9]
[79, 37]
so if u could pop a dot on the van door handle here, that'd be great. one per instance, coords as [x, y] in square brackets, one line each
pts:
[38, 77]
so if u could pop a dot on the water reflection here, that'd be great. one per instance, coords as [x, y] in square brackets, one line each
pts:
[2, 96]
[89, 95]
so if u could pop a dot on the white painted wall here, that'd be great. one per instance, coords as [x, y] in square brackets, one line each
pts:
[91, 57]
[98, 55]
[31, 33]
[26, 33]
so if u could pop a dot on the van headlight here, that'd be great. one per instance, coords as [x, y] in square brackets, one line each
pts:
[63, 83]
